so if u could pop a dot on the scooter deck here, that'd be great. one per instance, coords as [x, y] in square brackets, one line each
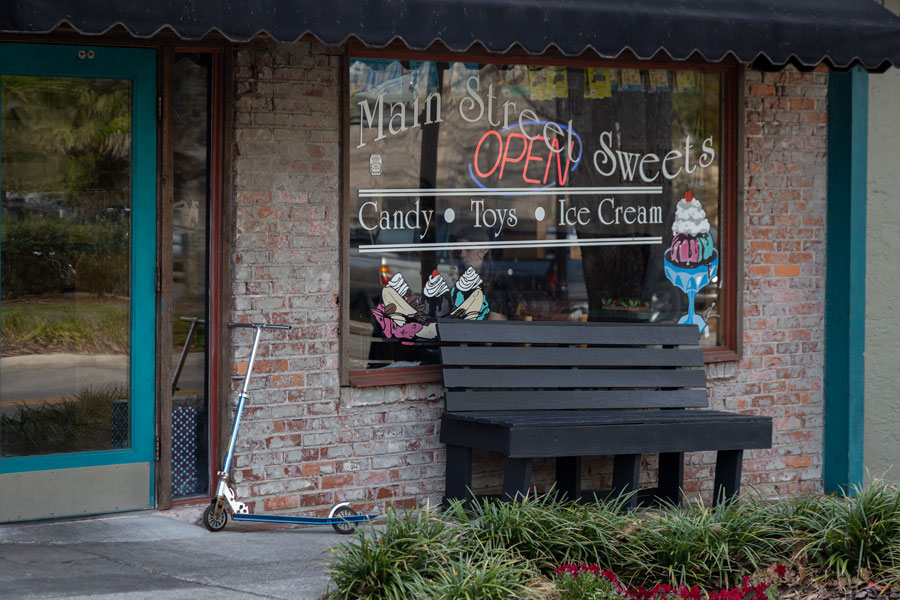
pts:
[303, 520]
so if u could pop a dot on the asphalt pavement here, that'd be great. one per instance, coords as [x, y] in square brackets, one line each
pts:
[163, 555]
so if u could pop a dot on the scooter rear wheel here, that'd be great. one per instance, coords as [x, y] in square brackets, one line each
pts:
[344, 527]
[209, 518]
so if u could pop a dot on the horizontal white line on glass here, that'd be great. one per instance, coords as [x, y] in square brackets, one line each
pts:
[476, 191]
[433, 247]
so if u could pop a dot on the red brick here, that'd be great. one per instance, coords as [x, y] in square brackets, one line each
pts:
[762, 89]
[337, 481]
[787, 270]
[280, 503]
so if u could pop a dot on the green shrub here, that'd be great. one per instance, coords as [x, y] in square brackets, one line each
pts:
[842, 535]
[483, 575]
[587, 582]
[419, 556]
[715, 545]
[547, 530]
[505, 545]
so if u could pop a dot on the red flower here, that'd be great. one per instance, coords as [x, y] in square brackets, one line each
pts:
[780, 570]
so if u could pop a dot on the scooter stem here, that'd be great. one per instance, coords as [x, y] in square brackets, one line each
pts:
[226, 470]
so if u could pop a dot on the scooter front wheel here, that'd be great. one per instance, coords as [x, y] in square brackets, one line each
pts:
[209, 518]
[344, 527]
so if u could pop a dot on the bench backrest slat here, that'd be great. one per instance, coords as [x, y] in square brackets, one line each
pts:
[573, 378]
[551, 332]
[571, 357]
[516, 365]
[462, 401]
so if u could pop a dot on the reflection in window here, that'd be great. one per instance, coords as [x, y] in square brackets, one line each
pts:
[65, 197]
[191, 137]
[486, 191]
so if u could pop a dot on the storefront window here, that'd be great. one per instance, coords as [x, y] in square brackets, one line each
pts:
[493, 191]
[190, 299]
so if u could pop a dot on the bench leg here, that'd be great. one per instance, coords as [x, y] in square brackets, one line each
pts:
[671, 476]
[568, 477]
[728, 475]
[626, 470]
[458, 473]
[516, 478]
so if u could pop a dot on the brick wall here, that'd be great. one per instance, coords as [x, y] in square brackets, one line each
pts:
[306, 442]
[784, 278]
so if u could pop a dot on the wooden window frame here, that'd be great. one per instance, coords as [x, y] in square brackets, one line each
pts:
[731, 195]
[218, 350]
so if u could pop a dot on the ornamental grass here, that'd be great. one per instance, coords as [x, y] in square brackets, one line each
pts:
[514, 549]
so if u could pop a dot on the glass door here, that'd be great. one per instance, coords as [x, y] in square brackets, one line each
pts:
[77, 279]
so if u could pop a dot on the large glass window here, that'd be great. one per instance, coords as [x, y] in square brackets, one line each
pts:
[65, 232]
[495, 191]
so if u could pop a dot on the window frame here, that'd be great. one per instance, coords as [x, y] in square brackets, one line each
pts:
[730, 196]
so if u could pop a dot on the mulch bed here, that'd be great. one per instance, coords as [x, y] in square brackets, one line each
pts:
[858, 591]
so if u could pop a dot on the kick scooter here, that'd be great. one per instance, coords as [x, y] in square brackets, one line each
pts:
[341, 517]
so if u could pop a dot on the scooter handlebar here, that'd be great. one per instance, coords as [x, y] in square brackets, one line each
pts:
[259, 326]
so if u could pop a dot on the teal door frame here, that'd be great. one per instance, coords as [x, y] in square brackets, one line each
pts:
[139, 67]
[845, 292]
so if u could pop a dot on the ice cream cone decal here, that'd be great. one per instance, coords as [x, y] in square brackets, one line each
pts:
[402, 316]
[691, 261]
[468, 298]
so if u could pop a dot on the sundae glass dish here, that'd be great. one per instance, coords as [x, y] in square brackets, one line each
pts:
[691, 261]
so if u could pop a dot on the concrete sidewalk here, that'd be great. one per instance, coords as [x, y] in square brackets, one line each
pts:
[154, 555]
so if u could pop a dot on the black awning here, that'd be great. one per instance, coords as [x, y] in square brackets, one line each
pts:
[841, 33]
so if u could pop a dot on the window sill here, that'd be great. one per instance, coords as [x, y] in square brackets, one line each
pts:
[432, 373]
[720, 354]
[403, 375]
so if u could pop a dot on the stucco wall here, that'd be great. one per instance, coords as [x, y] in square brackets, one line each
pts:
[306, 441]
[882, 383]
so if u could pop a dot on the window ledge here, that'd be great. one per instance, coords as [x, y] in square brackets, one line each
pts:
[402, 375]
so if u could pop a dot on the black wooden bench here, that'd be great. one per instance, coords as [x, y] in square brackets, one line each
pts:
[568, 390]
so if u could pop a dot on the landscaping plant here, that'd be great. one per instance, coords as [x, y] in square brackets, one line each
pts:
[851, 534]
[589, 582]
[419, 556]
[494, 549]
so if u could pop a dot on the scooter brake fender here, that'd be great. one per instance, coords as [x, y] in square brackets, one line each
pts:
[335, 507]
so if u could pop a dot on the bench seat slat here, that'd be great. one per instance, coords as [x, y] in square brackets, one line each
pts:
[572, 357]
[615, 334]
[706, 432]
[459, 401]
[573, 378]
[550, 418]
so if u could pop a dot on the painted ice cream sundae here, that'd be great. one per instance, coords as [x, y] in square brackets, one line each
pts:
[399, 315]
[468, 298]
[437, 296]
[403, 316]
[691, 261]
